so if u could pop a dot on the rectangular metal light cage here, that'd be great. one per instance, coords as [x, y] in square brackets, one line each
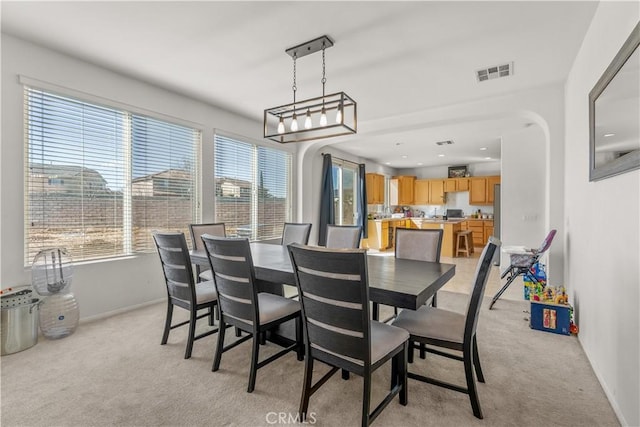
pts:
[347, 125]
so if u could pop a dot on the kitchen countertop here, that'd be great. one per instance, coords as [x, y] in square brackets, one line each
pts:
[432, 220]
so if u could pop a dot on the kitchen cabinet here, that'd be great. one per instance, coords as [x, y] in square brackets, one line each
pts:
[421, 192]
[481, 189]
[429, 192]
[436, 192]
[482, 230]
[401, 190]
[375, 188]
[450, 185]
[488, 230]
[462, 184]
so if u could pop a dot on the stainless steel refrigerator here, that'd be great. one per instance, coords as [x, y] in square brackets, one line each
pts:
[497, 219]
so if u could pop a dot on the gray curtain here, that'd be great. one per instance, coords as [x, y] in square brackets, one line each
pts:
[327, 211]
[362, 200]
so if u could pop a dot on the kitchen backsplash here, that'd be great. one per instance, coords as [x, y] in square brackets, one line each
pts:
[458, 200]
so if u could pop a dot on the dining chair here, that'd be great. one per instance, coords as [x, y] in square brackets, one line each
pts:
[242, 306]
[196, 231]
[182, 291]
[295, 233]
[419, 245]
[334, 294]
[436, 327]
[343, 236]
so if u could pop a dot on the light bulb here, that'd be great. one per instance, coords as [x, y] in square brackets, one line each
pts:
[323, 117]
[294, 123]
[281, 126]
[307, 121]
[339, 114]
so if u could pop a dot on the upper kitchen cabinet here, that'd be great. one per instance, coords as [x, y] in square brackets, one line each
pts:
[452, 185]
[401, 190]
[375, 188]
[481, 189]
[429, 192]
[436, 192]
[421, 192]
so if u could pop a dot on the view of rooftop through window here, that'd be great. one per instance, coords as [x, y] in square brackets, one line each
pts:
[100, 179]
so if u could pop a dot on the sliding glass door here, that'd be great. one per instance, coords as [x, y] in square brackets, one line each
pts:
[345, 183]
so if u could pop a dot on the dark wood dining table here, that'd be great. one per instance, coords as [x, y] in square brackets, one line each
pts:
[396, 282]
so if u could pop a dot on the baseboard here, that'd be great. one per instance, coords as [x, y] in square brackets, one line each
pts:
[120, 311]
[607, 392]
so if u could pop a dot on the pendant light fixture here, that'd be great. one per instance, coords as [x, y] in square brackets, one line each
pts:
[314, 110]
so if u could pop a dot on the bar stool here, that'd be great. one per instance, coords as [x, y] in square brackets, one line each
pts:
[463, 242]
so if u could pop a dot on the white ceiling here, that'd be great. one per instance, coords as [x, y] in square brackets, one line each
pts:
[393, 58]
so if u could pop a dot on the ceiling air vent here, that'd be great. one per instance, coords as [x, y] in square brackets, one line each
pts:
[495, 72]
[444, 142]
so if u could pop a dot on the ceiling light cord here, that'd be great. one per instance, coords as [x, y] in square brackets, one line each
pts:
[294, 121]
[323, 112]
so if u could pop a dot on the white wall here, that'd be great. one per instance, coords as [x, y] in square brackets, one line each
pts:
[523, 201]
[105, 286]
[602, 227]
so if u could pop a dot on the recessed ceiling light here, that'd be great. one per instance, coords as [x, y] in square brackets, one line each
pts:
[419, 164]
[440, 155]
[404, 156]
[387, 163]
[607, 135]
[483, 148]
[487, 158]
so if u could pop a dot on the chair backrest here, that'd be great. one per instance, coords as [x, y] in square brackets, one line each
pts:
[176, 265]
[197, 230]
[295, 233]
[546, 243]
[483, 269]
[343, 236]
[234, 278]
[420, 245]
[334, 293]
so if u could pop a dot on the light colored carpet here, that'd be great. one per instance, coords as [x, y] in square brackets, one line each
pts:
[115, 372]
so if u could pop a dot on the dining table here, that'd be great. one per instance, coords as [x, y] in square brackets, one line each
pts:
[393, 281]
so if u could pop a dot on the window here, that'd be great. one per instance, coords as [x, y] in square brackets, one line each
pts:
[252, 188]
[345, 189]
[100, 179]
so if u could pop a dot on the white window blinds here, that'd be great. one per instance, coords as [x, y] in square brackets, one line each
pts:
[99, 179]
[252, 188]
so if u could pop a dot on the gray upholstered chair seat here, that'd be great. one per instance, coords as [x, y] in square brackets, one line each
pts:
[432, 323]
[205, 292]
[206, 276]
[274, 307]
[384, 338]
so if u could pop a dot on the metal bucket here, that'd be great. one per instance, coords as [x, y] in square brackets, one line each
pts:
[19, 323]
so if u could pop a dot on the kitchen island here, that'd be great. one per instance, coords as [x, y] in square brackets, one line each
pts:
[382, 231]
[450, 228]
